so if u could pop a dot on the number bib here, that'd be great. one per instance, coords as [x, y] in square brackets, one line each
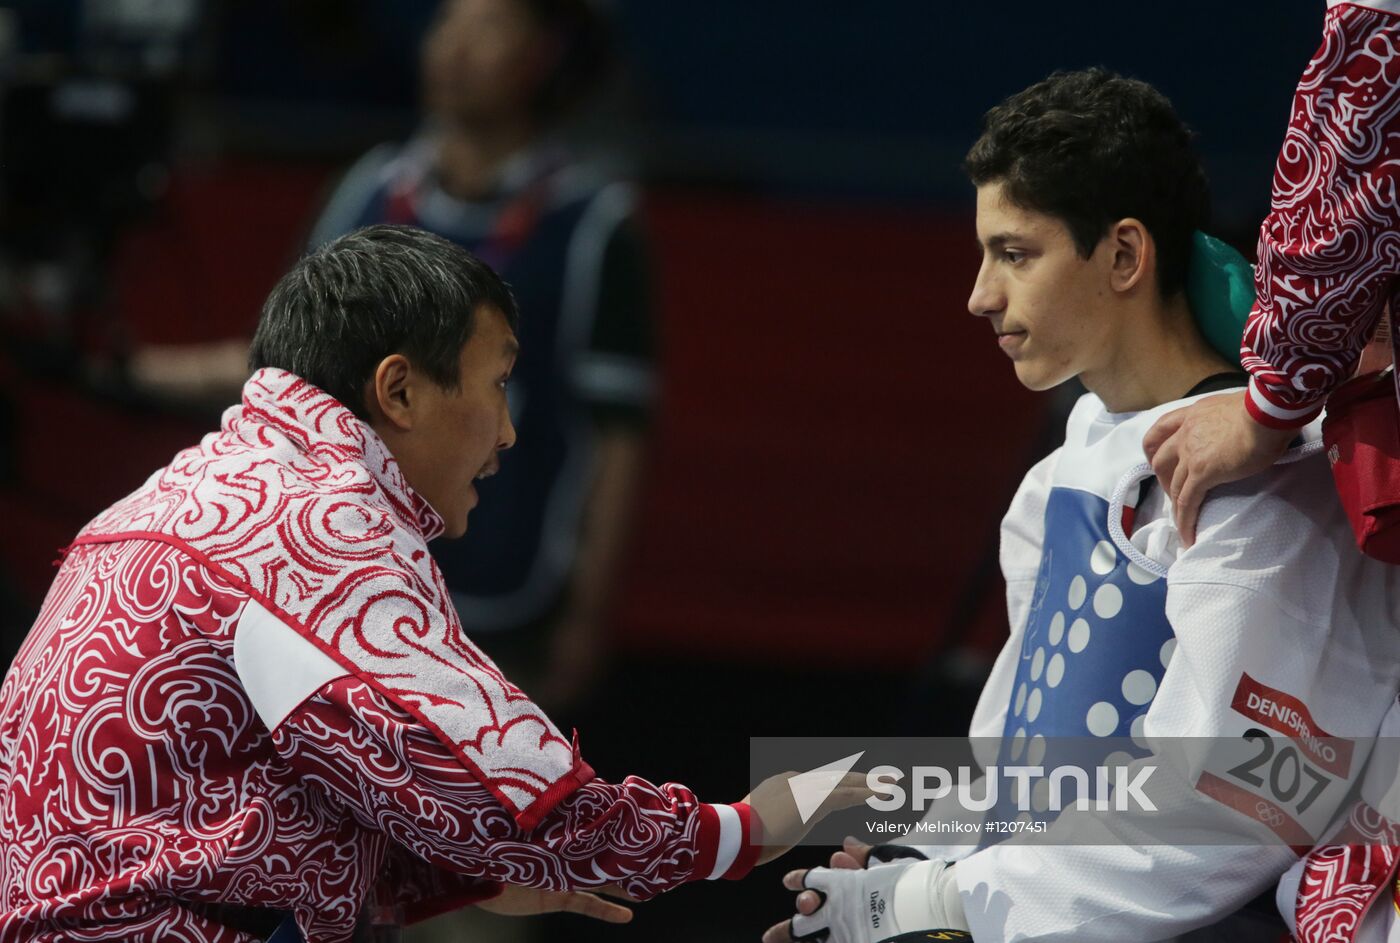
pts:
[1276, 765]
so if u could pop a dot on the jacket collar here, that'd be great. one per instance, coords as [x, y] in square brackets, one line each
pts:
[319, 425]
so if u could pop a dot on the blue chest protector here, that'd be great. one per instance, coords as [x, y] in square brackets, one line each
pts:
[1097, 640]
[1092, 655]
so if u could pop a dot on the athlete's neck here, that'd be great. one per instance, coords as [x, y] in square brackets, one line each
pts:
[1157, 356]
[470, 158]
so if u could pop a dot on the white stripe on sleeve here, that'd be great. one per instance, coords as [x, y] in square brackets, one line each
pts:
[731, 836]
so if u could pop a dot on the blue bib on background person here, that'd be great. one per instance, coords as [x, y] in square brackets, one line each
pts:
[546, 231]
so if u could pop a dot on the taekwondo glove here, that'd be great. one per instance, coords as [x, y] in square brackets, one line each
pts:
[884, 902]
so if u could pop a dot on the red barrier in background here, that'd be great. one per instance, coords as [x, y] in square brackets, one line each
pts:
[837, 439]
[224, 235]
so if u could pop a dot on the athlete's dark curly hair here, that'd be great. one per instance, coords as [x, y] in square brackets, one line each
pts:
[1091, 148]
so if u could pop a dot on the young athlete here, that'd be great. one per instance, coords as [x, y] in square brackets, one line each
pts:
[1269, 626]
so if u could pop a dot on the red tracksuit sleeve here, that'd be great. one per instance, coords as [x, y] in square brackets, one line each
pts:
[1329, 250]
[394, 775]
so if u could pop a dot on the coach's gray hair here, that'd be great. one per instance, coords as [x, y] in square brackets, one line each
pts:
[377, 291]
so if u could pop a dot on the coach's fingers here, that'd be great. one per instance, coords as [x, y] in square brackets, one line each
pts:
[1180, 476]
[793, 880]
[808, 902]
[591, 905]
[616, 890]
[1166, 461]
[852, 791]
[1162, 430]
[1188, 509]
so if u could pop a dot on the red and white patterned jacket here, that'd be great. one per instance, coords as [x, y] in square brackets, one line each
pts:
[248, 686]
[1329, 251]
[1329, 257]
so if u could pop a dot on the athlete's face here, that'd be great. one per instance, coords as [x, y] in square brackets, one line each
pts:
[1046, 303]
[444, 439]
[483, 59]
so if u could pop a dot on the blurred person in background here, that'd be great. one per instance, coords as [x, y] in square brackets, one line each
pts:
[500, 78]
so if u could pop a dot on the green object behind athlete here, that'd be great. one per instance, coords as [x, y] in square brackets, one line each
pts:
[1220, 290]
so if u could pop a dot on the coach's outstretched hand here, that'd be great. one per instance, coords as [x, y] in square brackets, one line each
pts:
[1208, 443]
[782, 824]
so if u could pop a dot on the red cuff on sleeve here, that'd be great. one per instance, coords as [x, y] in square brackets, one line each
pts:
[707, 842]
[730, 837]
[1267, 413]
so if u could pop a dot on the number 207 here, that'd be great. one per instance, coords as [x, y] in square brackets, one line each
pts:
[1285, 774]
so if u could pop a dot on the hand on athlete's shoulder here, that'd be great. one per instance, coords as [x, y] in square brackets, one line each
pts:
[1209, 443]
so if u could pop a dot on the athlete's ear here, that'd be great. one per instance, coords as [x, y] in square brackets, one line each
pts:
[390, 394]
[1134, 254]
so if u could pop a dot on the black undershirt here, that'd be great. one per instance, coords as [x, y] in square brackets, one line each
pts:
[1229, 380]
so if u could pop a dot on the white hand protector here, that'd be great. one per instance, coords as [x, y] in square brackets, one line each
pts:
[884, 902]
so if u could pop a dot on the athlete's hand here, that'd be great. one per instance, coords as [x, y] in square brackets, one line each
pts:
[1208, 443]
[858, 905]
[808, 903]
[853, 855]
[782, 824]
[527, 901]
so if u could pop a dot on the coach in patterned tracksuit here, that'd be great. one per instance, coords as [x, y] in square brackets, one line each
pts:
[1329, 266]
[248, 698]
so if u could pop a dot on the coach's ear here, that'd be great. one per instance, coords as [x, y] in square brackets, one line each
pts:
[1134, 254]
[389, 396]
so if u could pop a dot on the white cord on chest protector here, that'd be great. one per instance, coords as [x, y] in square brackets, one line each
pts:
[1140, 473]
